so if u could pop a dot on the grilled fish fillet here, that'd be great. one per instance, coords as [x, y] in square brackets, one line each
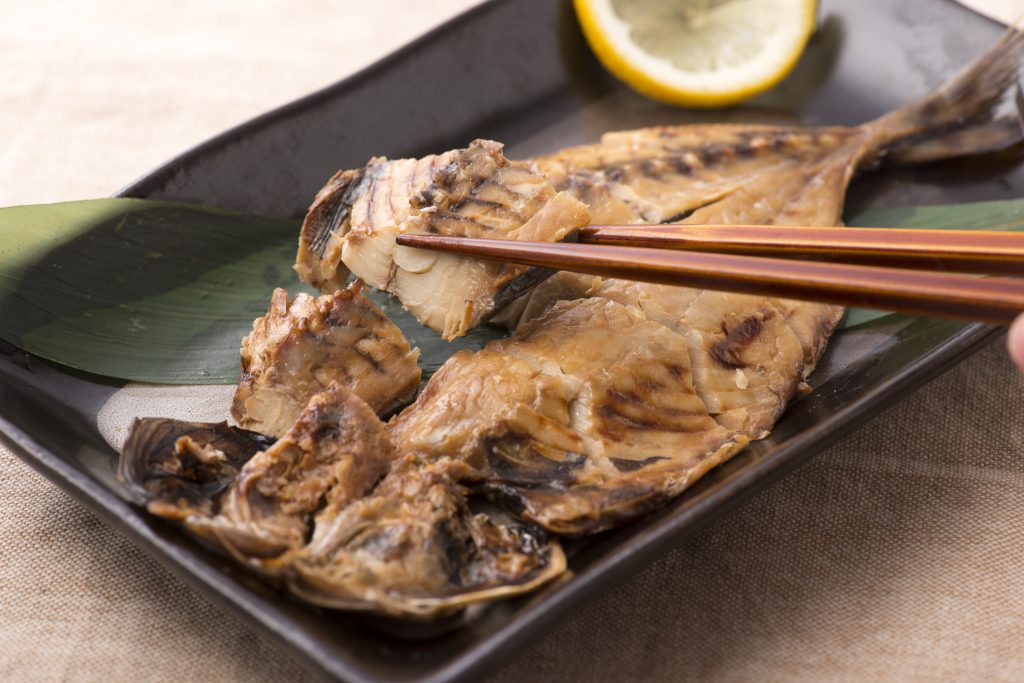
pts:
[472, 192]
[585, 417]
[301, 346]
[746, 366]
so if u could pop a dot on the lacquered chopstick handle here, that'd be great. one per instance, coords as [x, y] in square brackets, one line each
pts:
[992, 300]
[968, 251]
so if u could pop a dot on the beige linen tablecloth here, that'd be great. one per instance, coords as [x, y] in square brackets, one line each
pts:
[895, 555]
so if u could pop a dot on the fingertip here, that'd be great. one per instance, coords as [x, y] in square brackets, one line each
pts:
[1015, 340]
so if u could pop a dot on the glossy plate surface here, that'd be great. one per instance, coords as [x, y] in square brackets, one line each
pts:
[518, 71]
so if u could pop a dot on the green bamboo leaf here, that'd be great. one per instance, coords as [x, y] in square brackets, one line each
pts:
[998, 215]
[139, 290]
[163, 292]
[153, 291]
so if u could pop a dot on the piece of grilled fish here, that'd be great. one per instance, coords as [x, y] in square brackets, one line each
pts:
[545, 449]
[335, 453]
[585, 417]
[301, 346]
[745, 363]
[251, 495]
[746, 357]
[331, 510]
[471, 192]
[415, 548]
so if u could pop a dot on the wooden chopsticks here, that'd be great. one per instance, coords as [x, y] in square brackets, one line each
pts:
[993, 300]
[965, 251]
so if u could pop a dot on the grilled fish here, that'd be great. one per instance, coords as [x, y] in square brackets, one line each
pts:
[415, 548]
[335, 453]
[300, 346]
[745, 363]
[608, 399]
[746, 356]
[253, 496]
[472, 192]
[332, 510]
[584, 417]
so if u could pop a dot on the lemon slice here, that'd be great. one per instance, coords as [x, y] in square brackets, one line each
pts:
[698, 53]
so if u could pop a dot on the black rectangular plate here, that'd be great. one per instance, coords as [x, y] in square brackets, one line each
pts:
[518, 71]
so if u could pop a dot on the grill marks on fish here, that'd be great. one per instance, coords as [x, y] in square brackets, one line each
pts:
[661, 173]
[560, 407]
[472, 192]
[721, 174]
[723, 334]
[747, 362]
[301, 346]
[726, 351]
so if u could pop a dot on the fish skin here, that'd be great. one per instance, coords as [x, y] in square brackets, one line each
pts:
[471, 192]
[302, 345]
[180, 469]
[320, 242]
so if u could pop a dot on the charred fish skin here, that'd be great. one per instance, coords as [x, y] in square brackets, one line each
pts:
[178, 469]
[319, 258]
[302, 345]
[414, 549]
[473, 192]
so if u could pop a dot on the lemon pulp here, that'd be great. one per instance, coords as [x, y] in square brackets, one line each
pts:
[698, 52]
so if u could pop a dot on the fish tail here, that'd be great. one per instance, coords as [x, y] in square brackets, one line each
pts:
[969, 98]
